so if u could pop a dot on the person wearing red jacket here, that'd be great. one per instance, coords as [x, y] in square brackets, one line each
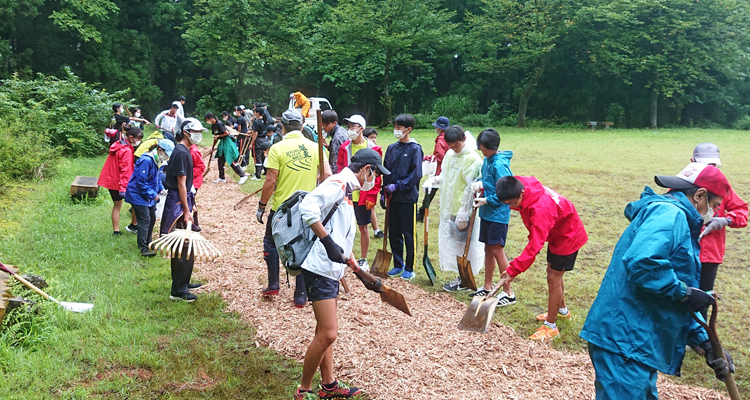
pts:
[732, 213]
[441, 147]
[549, 218]
[364, 201]
[116, 172]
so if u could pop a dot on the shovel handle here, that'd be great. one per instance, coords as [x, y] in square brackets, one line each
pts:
[385, 226]
[496, 289]
[24, 281]
[713, 337]
[362, 274]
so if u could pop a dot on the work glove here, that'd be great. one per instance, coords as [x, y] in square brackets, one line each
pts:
[390, 188]
[480, 201]
[461, 224]
[382, 201]
[427, 158]
[376, 287]
[477, 187]
[335, 252]
[720, 366]
[369, 204]
[697, 300]
[259, 213]
[716, 224]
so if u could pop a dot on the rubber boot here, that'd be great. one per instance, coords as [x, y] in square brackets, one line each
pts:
[272, 263]
[300, 292]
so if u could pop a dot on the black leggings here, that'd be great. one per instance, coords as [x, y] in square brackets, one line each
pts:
[236, 168]
[708, 278]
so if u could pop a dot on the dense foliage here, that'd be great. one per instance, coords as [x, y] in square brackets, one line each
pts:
[634, 62]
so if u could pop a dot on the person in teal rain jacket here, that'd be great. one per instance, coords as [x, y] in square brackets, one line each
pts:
[641, 319]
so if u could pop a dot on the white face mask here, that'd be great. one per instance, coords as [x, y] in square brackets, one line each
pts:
[196, 138]
[709, 213]
[368, 185]
[353, 134]
[137, 114]
[137, 143]
[399, 134]
[163, 157]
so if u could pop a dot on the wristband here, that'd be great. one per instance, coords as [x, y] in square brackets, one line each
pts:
[260, 204]
[729, 220]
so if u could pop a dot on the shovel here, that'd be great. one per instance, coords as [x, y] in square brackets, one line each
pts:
[387, 295]
[382, 261]
[245, 199]
[75, 307]
[478, 316]
[464, 264]
[710, 328]
[426, 259]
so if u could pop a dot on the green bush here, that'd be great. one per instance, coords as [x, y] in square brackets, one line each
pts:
[455, 106]
[483, 120]
[742, 123]
[23, 153]
[616, 114]
[424, 121]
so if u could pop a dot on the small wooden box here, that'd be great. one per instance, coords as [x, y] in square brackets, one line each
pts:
[84, 186]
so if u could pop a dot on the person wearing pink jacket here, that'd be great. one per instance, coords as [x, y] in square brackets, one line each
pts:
[732, 213]
[117, 169]
[550, 218]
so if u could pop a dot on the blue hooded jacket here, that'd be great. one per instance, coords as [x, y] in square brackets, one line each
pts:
[494, 168]
[145, 182]
[404, 161]
[638, 312]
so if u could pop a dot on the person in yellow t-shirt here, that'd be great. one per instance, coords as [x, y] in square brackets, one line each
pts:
[292, 165]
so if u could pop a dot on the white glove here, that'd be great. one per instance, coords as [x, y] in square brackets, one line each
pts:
[461, 224]
[478, 202]
[428, 184]
[477, 187]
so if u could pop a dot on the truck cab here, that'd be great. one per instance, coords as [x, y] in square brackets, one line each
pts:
[316, 103]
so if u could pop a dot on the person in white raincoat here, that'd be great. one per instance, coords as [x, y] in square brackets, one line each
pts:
[461, 167]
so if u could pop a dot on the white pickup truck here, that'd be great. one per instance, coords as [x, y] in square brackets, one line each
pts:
[316, 103]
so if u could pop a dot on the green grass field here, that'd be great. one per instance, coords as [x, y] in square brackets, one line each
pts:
[138, 344]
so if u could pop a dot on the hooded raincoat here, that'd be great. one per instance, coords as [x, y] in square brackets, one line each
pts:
[458, 172]
[713, 244]
[145, 182]
[494, 168]
[118, 167]
[638, 313]
[344, 159]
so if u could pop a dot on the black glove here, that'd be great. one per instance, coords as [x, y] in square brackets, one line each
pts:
[376, 287]
[382, 200]
[334, 251]
[697, 300]
[720, 366]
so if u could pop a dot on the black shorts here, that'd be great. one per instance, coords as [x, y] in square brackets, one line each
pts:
[492, 232]
[115, 195]
[561, 263]
[364, 216]
[319, 287]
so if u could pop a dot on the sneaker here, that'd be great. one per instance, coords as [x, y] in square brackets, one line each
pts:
[116, 233]
[298, 395]
[132, 228]
[219, 180]
[269, 292]
[503, 299]
[481, 292]
[545, 333]
[363, 264]
[194, 285]
[254, 178]
[396, 271]
[379, 234]
[244, 168]
[187, 297]
[543, 317]
[407, 275]
[242, 180]
[340, 391]
[147, 253]
[454, 285]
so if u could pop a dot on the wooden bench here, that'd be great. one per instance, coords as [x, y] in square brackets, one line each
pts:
[84, 186]
[594, 124]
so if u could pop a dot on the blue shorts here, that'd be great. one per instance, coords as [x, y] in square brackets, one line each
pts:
[363, 215]
[319, 287]
[492, 232]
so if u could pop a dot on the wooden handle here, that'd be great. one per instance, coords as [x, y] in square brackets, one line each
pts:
[426, 223]
[385, 226]
[471, 228]
[320, 145]
[713, 337]
[30, 285]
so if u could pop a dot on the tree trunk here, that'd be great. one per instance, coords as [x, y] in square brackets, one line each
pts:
[385, 118]
[529, 90]
[654, 106]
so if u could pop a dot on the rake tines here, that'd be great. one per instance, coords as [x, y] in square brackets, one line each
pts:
[173, 243]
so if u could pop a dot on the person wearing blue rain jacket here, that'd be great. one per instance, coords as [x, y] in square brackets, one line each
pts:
[641, 319]
[143, 191]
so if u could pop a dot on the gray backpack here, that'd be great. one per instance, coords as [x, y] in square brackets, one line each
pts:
[292, 236]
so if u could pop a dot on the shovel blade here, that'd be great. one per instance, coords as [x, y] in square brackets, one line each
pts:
[395, 299]
[76, 307]
[464, 271]
[428, 267]
[478, 316]
[381, 264]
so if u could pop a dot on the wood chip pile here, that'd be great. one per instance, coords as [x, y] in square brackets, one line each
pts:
[386, 353]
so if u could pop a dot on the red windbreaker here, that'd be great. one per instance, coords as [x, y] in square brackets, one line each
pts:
[118, 167]
[199, 166]
[548, 217]
[344, 158]
[441, 147]
[713, 244]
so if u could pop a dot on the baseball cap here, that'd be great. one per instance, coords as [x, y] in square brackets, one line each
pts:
[290, 116]
[707, 153]
[370, 157]
[442, 123]
[696, 175]
[357, 119]
[192, 124]
[271, 128]
[166, 145]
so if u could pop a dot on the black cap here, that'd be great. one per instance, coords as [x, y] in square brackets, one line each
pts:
[182, 98]
[370, 157]
[271, 128]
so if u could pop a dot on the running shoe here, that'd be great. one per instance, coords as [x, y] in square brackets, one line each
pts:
[543, 317]
[219, 180]
[545, 333]
[299, 395]
[503, 299]
[186, 297]
[132, 228]
[379, 234]
[242, 180]
[481, 292]
[396, 271]
[454, 285]
[363, 264]
[407, 275]
[340, 391]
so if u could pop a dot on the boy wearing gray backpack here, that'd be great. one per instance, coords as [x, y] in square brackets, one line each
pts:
[325, 264]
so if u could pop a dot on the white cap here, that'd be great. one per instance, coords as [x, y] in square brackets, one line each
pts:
[193, 124]
[707, 153]
[357, 119]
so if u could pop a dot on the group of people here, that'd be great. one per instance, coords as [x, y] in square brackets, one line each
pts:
[662, 271]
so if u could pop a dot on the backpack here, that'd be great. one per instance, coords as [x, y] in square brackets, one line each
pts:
[309, 132]
[292, 236]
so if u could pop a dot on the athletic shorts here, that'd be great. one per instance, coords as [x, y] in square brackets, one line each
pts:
[364, 216]
[319, 287]
[561, 263]
[115, 195]
[492, 232]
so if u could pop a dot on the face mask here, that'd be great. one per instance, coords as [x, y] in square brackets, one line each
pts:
[368, 185]
[399, 134]
[163, 157]
[137, 115]
[353, 134]
[709, 213]
[196, 138]
[137, 143]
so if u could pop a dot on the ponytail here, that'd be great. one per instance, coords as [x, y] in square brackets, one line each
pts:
[180, 134]
[134, 132]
